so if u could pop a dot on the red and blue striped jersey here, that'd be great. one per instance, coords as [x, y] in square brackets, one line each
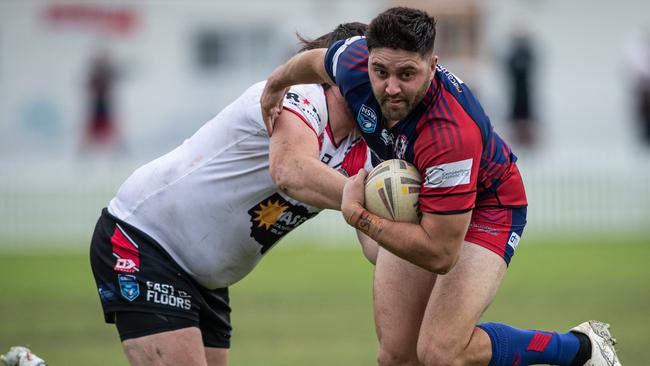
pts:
[447, 136]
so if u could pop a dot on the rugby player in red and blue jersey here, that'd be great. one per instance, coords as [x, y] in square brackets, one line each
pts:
[434, 280]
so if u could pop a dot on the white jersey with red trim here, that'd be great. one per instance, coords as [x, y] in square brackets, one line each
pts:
[211, 202]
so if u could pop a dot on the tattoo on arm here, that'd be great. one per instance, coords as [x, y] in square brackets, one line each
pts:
[369, 224]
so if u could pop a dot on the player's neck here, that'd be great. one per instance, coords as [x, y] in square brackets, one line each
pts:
[390, 124]
[340, 119]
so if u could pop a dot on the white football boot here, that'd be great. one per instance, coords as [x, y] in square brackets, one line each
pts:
[21, 356]
[602, 343]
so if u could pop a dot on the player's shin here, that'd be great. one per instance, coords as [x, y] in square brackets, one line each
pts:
[512, 346]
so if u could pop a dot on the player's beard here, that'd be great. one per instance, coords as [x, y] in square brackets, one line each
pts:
[406, 105]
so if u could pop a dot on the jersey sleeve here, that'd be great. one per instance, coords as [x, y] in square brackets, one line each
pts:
[357, 157]
[448, 155]
[308, 103]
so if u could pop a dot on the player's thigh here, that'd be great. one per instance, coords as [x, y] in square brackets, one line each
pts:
[458, 300]
[216, 356]
[401, 292]
[181, 347]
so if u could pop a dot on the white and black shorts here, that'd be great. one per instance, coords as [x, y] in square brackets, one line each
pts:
[143, 291]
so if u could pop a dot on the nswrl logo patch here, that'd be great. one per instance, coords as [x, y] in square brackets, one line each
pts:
[367, 119]
[129, 287]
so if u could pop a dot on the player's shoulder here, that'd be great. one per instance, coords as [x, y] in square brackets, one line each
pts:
[448, 79]
[307, 96]
[356, 43]
[312, 91]
[308, 102]
[347, 58]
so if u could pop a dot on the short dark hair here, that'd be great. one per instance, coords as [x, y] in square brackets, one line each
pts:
[403, 28]
[342, 31]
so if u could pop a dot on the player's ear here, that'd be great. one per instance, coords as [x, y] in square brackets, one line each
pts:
[434, 62]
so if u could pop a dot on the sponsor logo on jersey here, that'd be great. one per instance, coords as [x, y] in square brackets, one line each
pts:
[449, 174]
[164, 294]
[273, 218]
[513, 241]
[401, 143]
[387, 137]
[367, 119]
[453, 79]
[304, 106]
[326, 158]
[129, 287]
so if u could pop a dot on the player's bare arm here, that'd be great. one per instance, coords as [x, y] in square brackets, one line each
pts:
[306, 67]
[433, 244]
[296, 168]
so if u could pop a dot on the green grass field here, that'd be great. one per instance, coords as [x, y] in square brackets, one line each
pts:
[311, 305]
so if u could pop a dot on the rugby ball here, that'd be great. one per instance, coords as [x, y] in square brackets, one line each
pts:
[392, 191]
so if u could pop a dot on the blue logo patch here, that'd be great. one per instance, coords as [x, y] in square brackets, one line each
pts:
[129, 287]
[107, 292]
[367, 119]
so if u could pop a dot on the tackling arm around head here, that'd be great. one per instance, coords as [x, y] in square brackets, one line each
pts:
[307, 67]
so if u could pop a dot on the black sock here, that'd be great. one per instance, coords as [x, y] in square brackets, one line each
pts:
[584, 352]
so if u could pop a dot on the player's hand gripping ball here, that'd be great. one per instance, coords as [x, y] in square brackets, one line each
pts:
[392, 191]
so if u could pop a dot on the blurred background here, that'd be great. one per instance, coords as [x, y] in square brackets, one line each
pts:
[90, 90]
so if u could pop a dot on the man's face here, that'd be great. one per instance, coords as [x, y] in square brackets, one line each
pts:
[399, 80]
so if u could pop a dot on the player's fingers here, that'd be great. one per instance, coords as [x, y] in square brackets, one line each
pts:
[271, 104]
[359, 178]
[270, 115]
[267, 107]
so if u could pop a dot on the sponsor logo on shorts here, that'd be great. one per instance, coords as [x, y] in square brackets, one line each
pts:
[125, 250]
[273, 218]
[484, 228]
[367, 119]
[513, 241]
[129, 287]
[125, 265]
[164, 294]
[449, 174]
[107, 292]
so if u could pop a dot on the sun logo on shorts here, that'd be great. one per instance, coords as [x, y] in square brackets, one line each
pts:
[268, 214]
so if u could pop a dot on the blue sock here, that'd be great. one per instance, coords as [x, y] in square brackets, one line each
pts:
[518, 347]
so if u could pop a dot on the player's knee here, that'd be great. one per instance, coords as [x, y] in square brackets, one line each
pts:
[393, 357]
[142, 353]
[433, 354]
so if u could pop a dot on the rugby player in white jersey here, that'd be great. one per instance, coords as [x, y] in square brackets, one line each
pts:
[187, 225]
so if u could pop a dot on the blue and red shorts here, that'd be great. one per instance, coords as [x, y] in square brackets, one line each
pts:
[498, 229]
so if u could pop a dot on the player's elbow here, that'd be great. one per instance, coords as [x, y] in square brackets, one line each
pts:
[283, 174]
[445, 258]
[442, 264]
